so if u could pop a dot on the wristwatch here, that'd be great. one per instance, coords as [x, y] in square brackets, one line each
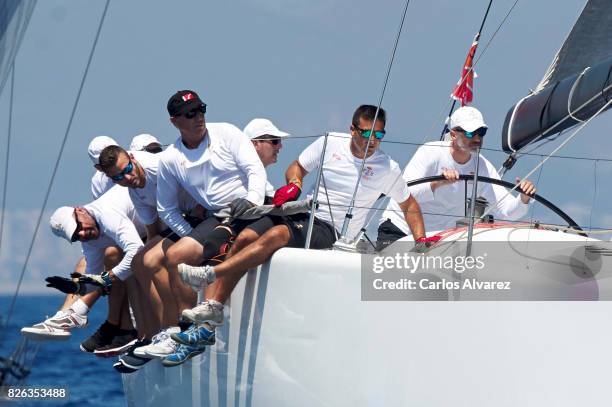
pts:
[108, 282]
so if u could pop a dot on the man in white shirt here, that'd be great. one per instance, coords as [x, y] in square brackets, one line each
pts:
[442, 202]
[343, 157]
[100, 183]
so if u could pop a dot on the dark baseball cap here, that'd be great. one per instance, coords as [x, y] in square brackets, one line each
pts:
[183, 101]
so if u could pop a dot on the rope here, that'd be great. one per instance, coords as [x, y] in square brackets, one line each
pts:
[8, 149]
[348, 215]
[57, 162]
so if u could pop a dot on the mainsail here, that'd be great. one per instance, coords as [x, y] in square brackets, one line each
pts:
[14, 18]
[575, 86]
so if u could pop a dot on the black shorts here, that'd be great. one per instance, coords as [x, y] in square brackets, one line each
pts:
[323, 234]
[169, 234]
[387, 234]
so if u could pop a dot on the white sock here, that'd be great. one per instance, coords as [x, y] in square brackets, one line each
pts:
[215, 303]
[80, 307]
[211, 276]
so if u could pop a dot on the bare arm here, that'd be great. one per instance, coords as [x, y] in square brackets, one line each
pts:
[413, 216]
[295, 173]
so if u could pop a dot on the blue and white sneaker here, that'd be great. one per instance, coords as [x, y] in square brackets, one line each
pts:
[195, 336]
[183, 353]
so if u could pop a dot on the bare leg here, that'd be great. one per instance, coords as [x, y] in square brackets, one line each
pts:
[186, 250]
[71, 298]
[231, 271]
[112, 257]
[150, 271]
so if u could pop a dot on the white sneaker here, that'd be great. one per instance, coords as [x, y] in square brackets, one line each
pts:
[198, 277]
[67, 319]
[42, 331]
[210, 312]
[161, 346]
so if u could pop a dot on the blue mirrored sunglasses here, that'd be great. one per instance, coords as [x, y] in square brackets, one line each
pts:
[379, 134]
[128, 168]
[481, 131]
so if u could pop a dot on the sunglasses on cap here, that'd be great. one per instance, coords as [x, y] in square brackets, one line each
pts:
[193, 112]
[379, 134]
[481, 131]
[128, 168]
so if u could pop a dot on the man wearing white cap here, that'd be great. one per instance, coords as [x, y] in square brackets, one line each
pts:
[100, 183]
[109, 221]
[146, 142]
[442, 202]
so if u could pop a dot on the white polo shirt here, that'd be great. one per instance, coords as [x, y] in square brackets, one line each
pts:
[225, 166]
[444, 206]
[381, 175]
[119, 226]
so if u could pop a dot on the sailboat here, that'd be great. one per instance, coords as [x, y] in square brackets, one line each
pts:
[305, 335]
[325, 331]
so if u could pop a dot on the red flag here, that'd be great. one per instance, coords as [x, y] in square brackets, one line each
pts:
[463, 92]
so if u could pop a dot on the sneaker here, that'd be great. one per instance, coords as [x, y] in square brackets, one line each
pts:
[161, 346]
[123, 339]
[183, 353]
[195, 336]
[42, 331]
[130, 362]
[210, 312]
[197, 277]
[102, 337]
[67, 319]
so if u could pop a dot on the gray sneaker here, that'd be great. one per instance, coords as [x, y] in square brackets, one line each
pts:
[210, 312]
[198, 277]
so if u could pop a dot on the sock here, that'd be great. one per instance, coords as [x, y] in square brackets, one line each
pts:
[211, 276]
[80, 307]
[215, 304]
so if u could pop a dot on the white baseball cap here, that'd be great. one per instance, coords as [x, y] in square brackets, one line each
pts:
[97, 145]
[140, 141]
[468, 118]
[63, 222]
[262, 127]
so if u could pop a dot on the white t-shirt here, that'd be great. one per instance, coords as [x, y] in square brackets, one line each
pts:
[145, 199]
[340, 173]
[429, 160]
[119, 226]
[225, 166]
[100, 183]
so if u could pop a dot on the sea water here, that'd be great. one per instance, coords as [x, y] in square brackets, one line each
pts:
[91, 381]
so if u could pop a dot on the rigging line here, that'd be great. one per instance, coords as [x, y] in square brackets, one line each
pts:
[582, 125]
[594, 192]
[349, 213]
[8, 149]
[482, 53]
[57, 162]
[569, 157]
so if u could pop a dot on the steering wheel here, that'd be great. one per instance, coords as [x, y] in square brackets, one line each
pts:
[488, 180]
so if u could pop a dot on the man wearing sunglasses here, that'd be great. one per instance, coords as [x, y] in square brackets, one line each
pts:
[341, 166]
[219, 167]
[443, 202]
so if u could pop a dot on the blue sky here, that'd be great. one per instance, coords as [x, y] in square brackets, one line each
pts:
[304, 65]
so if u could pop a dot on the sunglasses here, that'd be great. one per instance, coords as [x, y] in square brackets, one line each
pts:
[273, 141]
[481, 131]
[128, 168]
[193, 112]
[379, 134]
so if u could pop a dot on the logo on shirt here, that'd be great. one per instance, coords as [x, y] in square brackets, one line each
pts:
[368, 172]
[336, 156]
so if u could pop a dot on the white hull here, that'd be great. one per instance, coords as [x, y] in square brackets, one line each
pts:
[298, 334]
